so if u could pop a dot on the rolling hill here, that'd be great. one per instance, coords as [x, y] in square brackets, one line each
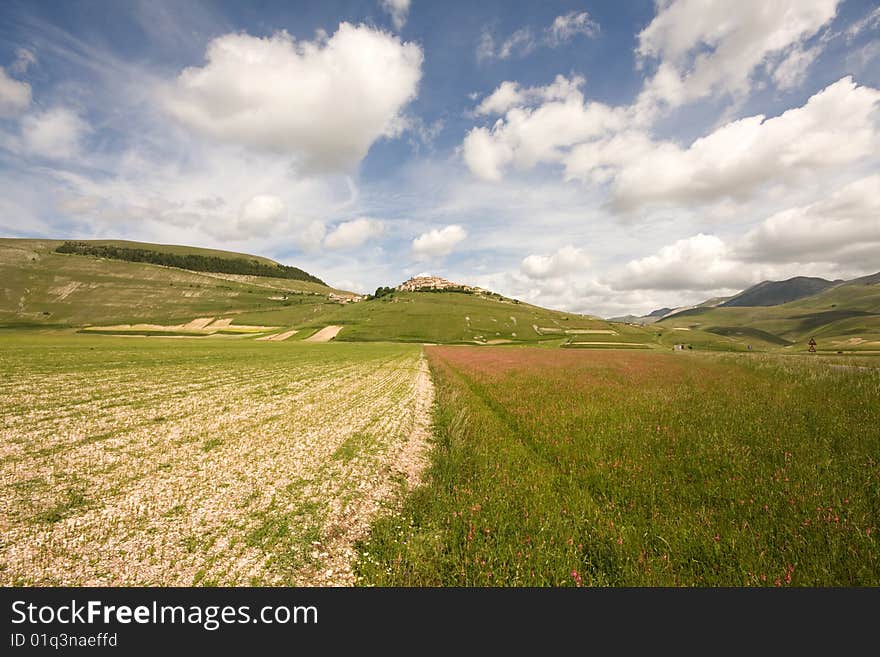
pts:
[842, 316]
[44, 288]
[95, 287]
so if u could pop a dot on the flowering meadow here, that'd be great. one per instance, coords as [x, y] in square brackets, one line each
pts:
[626, 468]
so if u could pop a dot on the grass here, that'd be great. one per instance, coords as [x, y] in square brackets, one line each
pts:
[46, 289]
[446, 318]
[626, 468]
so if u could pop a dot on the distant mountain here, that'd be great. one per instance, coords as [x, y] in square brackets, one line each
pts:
[775, 293]
[871, 279]
[842, 316]
[659, 312]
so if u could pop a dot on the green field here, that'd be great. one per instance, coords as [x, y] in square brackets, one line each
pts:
[628, 468]
[44, 289]
[211, 462]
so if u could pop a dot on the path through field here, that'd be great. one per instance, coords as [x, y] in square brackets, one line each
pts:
[179, 463]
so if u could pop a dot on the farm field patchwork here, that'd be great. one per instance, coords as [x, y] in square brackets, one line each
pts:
[586, 467]
[181, 462]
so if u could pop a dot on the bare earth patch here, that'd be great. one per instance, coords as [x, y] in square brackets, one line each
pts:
[325, 334]
[350, 522]
[198, 323]
[278, 337]
[256, 469]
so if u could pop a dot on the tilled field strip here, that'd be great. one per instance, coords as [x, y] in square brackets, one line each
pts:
[254, 471]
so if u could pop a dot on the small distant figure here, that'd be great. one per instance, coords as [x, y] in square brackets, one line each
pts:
[812, 344]
[749, 347]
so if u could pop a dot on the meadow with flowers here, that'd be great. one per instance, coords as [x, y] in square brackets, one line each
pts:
[623, 468]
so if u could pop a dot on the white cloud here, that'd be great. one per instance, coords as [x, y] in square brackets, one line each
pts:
[596, 143]
[511, 94]
[324, 101]
[871, 21]
[701, 262]
[832, 237]
[486, 45]
[527, 136]
[15, 96]
[351, 234]
[520, 43]
[566, 260]
[523, 41]
[792, 70]
[56, 133]
[844, 228]
[398, 10]
[24, 59]
[836, 127]
[709, 47]
[484, 155]
[261, 213]
[566, 27]
[308, 234]
[507, 95]
[437, 243]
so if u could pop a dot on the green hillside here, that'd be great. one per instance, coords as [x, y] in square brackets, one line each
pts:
[46, 289]
[452, 317]
[244, 265]
[845, 317]
[43, 288]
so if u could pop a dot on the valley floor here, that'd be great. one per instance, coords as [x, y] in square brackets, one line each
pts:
[238, 462]
[216, 463]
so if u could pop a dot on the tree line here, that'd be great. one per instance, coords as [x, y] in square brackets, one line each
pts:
[190, 261]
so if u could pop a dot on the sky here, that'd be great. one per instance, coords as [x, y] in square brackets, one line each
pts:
[598, 157]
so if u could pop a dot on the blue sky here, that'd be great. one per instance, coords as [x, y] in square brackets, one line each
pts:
[599, 157]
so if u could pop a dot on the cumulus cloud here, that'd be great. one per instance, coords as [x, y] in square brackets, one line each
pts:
[829, 237]
[438, 242]
[56, 133]
[308, 234]
[701, 262]
[397, 9]
[351, 234]
[527, 135]
[842, 228]
[15, 95]
[324, 101]
[836, 127]
[261, 213]
[511, 94]
[703, 48]
[566, 260]
[524, 41]
[596, 143]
